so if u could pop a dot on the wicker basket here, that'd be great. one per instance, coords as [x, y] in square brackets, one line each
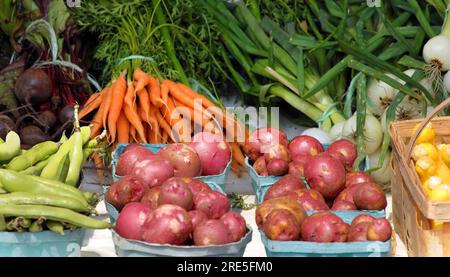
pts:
[412, 211]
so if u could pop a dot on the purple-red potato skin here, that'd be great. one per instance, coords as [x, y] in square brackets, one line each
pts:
[281, 225]
[343, 205]
[260, 140]
[197, 217]
[153, 172]
[214, 156]
[347, 194]
[305, 146]
[297, 166]
[283, 186]
[370, 196]
[277, 152]
[362, 218]
[151, 197]
[357, 177]
[283, 202]
[175, 191]
[358, 232]
[277, 167]
[324, 227]
[168, 224]
[184, 159]
[379, 230]
[126, 190]
[235, 224]
[211, 232]
[326, 175]
[131, 219]
[213, 203]
[348, 151]
[260, 166]
[310, 199]
[130, 157]
[196, 186]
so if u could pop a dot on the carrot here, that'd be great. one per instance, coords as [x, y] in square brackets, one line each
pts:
[107, 99]
[165, 137]
[144, 102]
[123, 128]
[117, 94]
[236, 168]
[237, 154]
[132, 134]
[97, 120]
[154, 91]
[164, 125]
[94, 102]
[164, 91]
[131, 112]
[98, 162]
[142, 79]
[195, 95]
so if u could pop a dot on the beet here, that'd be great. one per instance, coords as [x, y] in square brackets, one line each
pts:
[33, 86]
[66, 114]
[32, 135]
[6, 125]
[47, 119]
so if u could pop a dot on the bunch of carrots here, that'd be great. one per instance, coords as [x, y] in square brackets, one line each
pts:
[141, 111]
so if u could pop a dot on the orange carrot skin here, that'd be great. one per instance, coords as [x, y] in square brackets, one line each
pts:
[154, 92]
[123, 129]
[117, 95]
[94, 102]
[144, 102]
[142, 79]
[131, 112]
[107, 103]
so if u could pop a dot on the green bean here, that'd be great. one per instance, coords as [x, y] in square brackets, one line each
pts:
[37, 153]
[53, 213]
[35, 169]
[76, 154]
[55, 226]
[63, 169]
[16, 182]
[36, 226]
[11, 147]
[2, 223]
[91, 198]
[28, 198]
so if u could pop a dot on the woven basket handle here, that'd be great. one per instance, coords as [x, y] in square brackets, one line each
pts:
[422, 125]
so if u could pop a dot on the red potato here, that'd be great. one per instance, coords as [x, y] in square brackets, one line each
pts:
[168, 224]
[297, 166]
[379, 230]
[212, 232]
[358, 232]
[126, 190]
[135, 147]
[357, 177]
[175, 191]
[362, 218]
[260, 140]
[370, 196]
[310, 199]
[184, 159]
[235, 224]
[197, 217]
[151, 197]
[324, 227]
[131, 155]
[283, 186]
[347, 194]
[131, 219]
[196, 186]
[326, 175]
[284, 202]
[343, 205]
[348, 151]
[305, 146]
[214, 156]
[338, 156]
[281, 225]
[277, 167]
[277, 152]
[213, 203]
[153, 172]
[260, 166]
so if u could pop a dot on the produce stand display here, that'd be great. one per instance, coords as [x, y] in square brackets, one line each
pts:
[168, 128]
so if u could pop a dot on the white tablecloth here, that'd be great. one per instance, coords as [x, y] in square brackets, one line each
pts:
[99, 242]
